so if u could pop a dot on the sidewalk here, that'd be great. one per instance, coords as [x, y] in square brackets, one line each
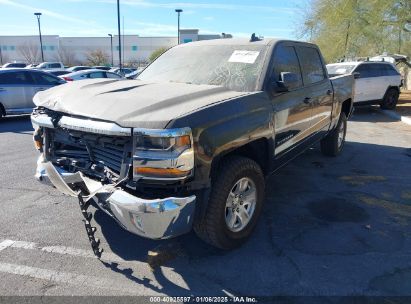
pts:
[403, 110]
[404, 104]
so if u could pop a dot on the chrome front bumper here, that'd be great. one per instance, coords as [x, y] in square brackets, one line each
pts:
[154, 219]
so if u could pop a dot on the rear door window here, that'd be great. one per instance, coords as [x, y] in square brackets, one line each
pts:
[285, 60]
[44, 79]
[112, 75]
[97, 75]
[15, 78]
[378, 70]
[390, 70]
[311, 65]
[369, 70]
[54, 65]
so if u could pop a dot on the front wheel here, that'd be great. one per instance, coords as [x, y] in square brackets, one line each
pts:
[333, 143]
[235, 203]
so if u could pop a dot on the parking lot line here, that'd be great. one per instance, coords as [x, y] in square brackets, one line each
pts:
[63, 250]
[69, 278]
[5, 244]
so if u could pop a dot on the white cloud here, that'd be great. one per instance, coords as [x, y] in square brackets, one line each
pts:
[43, 11]
[204, 5]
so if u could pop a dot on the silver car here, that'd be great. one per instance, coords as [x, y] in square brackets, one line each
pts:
[87, 74]
[18, 86]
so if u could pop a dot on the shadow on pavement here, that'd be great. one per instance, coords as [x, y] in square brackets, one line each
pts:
[370, 114]
[334, 226]
[16, 124]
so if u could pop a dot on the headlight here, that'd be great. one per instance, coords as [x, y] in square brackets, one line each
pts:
[163, 154]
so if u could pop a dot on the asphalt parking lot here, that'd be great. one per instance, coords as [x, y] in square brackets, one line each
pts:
[330, 226]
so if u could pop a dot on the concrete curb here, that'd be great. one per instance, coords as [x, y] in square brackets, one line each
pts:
[395, 115]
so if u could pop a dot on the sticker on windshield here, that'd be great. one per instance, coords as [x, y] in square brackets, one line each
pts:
[244, 56]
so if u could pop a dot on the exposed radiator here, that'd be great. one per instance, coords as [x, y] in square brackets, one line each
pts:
[110, 151]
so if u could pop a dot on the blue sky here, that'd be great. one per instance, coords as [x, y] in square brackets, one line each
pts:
[269, 18]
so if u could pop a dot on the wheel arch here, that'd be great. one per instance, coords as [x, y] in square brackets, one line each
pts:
[392, 87]
[347, 107]
[257, 150]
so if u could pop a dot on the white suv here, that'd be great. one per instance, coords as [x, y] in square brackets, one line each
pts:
[375, 82]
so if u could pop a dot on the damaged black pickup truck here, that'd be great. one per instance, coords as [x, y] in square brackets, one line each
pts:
[189, 143]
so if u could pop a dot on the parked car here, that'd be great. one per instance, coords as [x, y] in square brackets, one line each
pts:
[123, 71]
[189, 143]
[78, 68]
[57, 72]
[87, 74]
[134, 75]
[18, 86]
[102, 67]
[49, 65]
[375, 82]
[14, 65]
[32, 65]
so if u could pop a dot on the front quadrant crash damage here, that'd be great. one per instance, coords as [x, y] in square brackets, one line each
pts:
[146, 150]
[88, 216]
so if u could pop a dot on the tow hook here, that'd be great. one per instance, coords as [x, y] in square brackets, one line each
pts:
[88, 216]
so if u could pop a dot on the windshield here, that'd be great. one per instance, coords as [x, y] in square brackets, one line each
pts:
[339, 69]
[234, 67]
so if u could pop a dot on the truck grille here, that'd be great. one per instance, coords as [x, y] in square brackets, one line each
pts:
[87, 148]
[110, 155]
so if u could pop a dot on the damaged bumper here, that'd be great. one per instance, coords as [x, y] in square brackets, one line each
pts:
[154, 219]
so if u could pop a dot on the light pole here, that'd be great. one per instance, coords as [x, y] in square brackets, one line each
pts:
[1, 57]
[178, 11]
[119, 34]
[111, 48]
[41, 41]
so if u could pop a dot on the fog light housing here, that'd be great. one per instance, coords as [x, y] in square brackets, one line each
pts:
[38, 139]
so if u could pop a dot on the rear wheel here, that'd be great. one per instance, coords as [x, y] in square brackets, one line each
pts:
[2, 112]
[333, 143]
[390, 99]
[235, 203]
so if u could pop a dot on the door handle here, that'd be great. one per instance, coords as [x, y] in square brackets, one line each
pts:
[307, 100]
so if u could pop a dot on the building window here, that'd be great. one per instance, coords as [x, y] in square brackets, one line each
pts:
[187, 40]
[117, 48]
[51, 47]
[4, 47]
[12, 48]
[134, 48]
[44, 48]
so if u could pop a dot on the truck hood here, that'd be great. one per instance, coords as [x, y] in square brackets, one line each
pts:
[131, 103]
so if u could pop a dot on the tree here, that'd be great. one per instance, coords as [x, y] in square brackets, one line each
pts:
[30, 52]
[135, 62]
[66, 56]
[356, 28]
[97, 57]
[157, 53]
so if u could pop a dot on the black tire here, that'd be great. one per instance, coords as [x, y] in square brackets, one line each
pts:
[212, 227]
[390, 99]
[330, 145]
[2, 112]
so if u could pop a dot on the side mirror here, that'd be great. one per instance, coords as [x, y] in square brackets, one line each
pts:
[357, 75]
[287, 80]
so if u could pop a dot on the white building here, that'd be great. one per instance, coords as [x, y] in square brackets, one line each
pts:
[75, 50]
